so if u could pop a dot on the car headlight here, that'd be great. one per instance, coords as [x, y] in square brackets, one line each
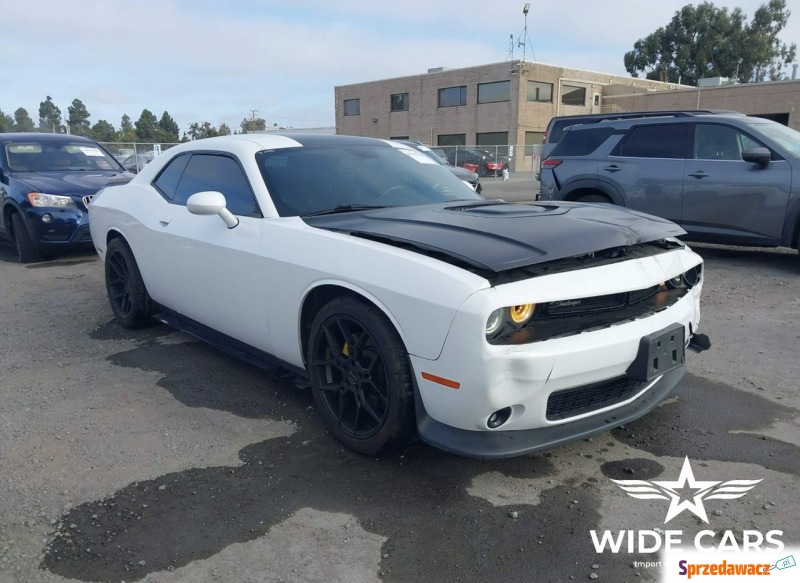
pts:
[495, 322]
[515, 316]
[40, 199]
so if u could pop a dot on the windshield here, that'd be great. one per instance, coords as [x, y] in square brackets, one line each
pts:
[350, 177]
[786, 137]
[50, 156]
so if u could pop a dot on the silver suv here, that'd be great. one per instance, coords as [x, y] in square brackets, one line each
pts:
[730, 179]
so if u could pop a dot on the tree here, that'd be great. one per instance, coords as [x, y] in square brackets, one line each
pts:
[78, 119]
[146, 127]
[126, 132]
[706, 41]
[6, 122]
[198, 131]
[224, 130]
[23, 121]
[253, 124]
[103, 131]
[771, 54]
[168, 129]
[49, 116]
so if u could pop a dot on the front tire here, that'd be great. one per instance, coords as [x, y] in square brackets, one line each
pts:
[127, 294]
[26, 249]
[361, 377]
[593, 198]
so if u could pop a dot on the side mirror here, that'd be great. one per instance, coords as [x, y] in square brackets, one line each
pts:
[759, 156]
[210, 202]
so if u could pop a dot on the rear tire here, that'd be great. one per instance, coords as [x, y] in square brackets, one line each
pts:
[361, 377]
[26, 249]
[127, 294]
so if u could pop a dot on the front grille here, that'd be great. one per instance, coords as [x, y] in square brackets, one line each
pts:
[582, 305]
[571, 402]
[567, 317]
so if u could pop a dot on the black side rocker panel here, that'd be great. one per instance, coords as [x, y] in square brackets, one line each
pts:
[276, 367]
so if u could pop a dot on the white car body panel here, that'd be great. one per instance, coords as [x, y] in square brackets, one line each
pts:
[250, 282]
[523, 376]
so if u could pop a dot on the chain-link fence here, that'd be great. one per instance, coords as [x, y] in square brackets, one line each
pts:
[485, 159]
[135, 155]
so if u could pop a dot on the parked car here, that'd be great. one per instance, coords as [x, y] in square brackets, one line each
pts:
[730, 179]
[557, 125]
[482, 162]
[461, 173]
[409, 303]
[136, 162]
[46, 181]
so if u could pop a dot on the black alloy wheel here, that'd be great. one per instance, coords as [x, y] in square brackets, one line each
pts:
[127, 294]
[361, 377]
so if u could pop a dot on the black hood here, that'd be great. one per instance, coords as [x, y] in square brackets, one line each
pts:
[499, 236]
[69, 183]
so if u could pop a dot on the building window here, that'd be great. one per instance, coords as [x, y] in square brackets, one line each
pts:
[352, 106]
[541, 92]
[494, 92]
[452, 96]
[572, 95]
[452, 140]
[399, 102]
[494, 142]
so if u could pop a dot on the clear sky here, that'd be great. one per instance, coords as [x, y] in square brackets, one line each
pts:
[216, 60]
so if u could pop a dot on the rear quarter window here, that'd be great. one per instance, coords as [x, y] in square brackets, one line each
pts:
[582, 142]
[656, 141]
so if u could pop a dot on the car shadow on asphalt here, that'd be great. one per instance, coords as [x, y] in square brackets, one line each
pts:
[418, 500]
[74, 256]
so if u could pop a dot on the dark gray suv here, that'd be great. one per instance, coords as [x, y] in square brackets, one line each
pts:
[730, 179]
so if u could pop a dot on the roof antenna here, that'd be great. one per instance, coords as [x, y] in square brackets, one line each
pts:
[524, 40]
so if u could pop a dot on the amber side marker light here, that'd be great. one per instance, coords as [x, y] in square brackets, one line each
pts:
[441, 381]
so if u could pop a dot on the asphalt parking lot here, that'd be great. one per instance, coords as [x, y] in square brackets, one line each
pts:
[148, 455]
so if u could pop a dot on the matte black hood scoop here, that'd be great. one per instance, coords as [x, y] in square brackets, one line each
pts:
[498, 236]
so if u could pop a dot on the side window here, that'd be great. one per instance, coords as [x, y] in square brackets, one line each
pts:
[167, 181]
[582, 142]
[719, 142]
[222, 174]
[656, 141]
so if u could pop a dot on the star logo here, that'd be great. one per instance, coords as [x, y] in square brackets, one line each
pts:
[686, 493]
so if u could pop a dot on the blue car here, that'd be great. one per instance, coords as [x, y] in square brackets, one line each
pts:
[46, 183]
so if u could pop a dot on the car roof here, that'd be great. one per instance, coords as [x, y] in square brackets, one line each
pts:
[247, 143]
[624, 124]
[639, 114]
[37, 137]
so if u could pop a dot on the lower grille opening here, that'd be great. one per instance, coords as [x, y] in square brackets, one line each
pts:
[571, 402]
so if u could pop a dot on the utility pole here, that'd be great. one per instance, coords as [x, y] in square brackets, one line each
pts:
[253, 113]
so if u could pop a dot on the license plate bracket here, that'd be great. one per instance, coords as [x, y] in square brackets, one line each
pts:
[659, 353]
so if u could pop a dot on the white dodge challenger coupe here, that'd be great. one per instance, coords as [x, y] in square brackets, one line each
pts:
[410, 304]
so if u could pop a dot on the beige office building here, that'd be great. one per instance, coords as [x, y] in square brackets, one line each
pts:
[506, 106]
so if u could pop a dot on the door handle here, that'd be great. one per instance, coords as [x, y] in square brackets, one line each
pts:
[698, 174]
[164, 221]
[612, 168]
